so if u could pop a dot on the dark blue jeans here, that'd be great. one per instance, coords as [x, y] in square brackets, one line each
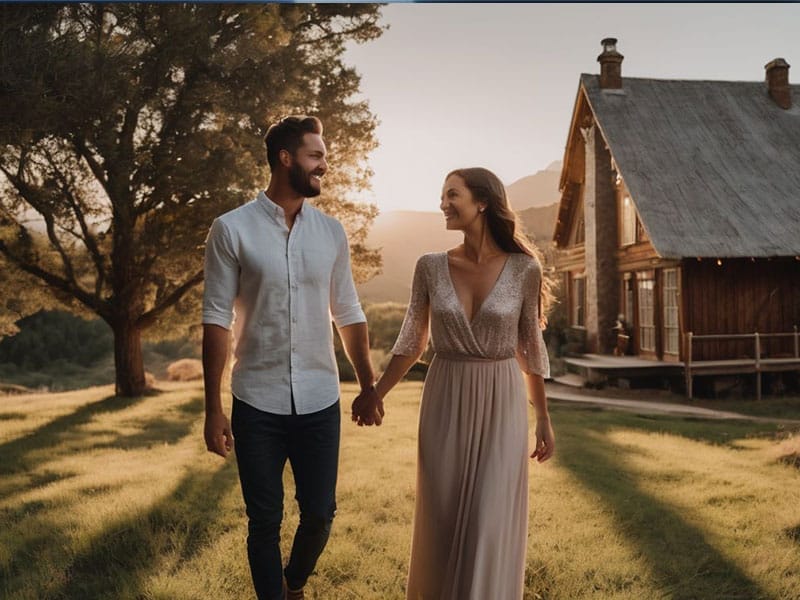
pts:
[263, 442]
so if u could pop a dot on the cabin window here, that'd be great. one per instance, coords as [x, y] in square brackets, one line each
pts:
[628, 292]
[670, 311]
[579, 300]
[647, 327]
[641, 233]
[628, 233]
[580, 231]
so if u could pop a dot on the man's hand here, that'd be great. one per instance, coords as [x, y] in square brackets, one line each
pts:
[219, 438]
[367, 408]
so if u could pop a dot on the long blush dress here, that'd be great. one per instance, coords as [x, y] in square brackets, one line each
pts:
[471, 513]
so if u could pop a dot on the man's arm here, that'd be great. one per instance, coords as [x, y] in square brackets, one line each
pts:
[351, 323]
[217, 431]
[367, 406]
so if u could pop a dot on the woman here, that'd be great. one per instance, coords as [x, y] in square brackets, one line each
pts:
[484, 303]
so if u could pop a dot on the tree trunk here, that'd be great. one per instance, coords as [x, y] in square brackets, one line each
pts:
[128, 360]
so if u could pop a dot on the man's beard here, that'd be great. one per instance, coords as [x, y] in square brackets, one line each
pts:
[301, 182]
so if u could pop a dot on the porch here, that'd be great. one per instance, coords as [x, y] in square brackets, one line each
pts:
[597, 369]
[594, 369]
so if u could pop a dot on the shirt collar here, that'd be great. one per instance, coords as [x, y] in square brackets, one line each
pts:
[275, 210]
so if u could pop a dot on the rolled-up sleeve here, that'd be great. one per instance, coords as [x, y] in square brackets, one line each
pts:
[221, 277]
[345, 306]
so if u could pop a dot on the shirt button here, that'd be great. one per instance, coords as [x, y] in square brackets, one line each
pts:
[294, 319]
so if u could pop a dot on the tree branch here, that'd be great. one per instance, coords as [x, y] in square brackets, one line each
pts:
[97, 169]
[150, 316]
[329, 33]
[29, 194]
[169, 127]
[55, 281]
[87, 238]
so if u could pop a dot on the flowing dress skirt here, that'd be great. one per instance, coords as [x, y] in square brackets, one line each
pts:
[471, 515]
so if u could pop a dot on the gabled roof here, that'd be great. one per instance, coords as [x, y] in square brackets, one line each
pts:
[713, 167]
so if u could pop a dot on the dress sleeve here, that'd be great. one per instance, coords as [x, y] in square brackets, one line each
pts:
[531, 349]
[413, 337]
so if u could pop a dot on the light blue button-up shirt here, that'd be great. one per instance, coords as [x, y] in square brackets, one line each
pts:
[277, 290]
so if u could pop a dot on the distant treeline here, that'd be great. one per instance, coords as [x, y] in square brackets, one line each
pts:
[59, 351]
[48, 336]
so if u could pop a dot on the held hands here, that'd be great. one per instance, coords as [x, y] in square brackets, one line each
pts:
[367, 408]
[545, 440]
[217, 431]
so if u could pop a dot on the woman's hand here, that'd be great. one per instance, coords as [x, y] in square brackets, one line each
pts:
[545, 440]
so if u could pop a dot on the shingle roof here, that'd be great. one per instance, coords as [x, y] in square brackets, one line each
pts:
[713, 167]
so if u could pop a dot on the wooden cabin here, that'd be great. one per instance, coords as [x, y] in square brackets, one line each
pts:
[680, 212]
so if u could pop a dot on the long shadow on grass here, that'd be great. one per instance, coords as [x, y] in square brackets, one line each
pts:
[160, 429]
[721, 433]
[680, 558]
[30, 533]
[117, 563]
[17, 453]
[61, 436]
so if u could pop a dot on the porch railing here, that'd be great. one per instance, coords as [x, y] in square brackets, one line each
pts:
[757, 364]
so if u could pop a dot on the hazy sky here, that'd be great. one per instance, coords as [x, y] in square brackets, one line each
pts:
[494, 84]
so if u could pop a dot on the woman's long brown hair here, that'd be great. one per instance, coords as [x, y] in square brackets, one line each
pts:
[504, 225]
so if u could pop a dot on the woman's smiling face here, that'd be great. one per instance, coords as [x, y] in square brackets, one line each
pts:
[458, 205]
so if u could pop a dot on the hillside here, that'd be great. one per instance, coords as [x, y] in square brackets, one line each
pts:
[537, 190]
[403, 236]
[539, 222]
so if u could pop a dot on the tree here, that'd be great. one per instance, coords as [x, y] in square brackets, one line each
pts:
[126, 128]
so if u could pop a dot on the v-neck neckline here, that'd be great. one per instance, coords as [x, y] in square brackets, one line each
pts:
[485, 300]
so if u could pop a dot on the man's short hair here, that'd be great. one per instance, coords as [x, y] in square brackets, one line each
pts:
[287, 134]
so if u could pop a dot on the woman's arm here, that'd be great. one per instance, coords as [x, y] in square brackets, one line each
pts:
[545, 438]
[398, 366]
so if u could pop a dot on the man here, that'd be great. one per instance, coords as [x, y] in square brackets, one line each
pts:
[283, 268]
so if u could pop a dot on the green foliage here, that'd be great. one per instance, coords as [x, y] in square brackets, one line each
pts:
[13, 306]
[46, 337]
[385, 320]
[57, 350]
[125, 128]
[557, 333]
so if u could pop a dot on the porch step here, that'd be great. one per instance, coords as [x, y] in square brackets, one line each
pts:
[571, 380]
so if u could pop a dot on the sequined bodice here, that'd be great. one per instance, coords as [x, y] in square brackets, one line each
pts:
[506, 324]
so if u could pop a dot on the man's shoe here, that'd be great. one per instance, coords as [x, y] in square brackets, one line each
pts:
[295, 594]
[292, 594]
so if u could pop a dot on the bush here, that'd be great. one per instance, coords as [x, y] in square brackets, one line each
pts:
[385, 320]
[557, 333]
[417, 372]
[49, 336]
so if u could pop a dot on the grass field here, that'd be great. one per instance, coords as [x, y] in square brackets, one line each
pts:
[102, 497]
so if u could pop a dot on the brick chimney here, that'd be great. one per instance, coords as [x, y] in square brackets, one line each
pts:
[778, 82]
[610, 65]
